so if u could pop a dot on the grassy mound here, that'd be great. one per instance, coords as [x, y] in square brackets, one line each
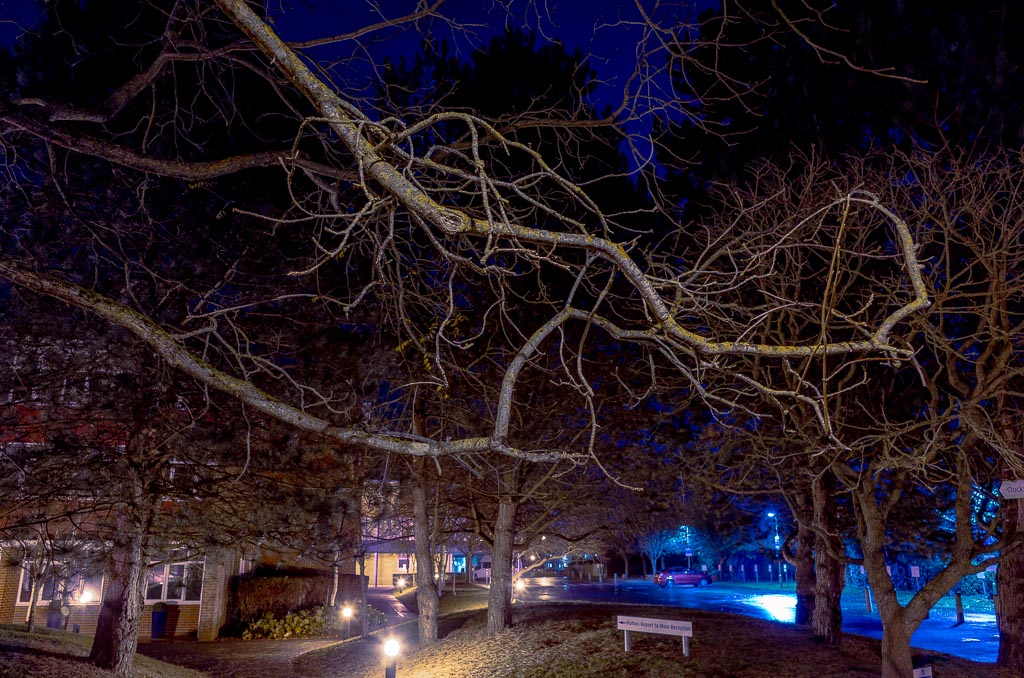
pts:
[58, 654]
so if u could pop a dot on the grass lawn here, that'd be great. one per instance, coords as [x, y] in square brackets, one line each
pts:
[59, 654]
[562, 640]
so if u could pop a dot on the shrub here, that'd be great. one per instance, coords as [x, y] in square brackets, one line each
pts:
[278, 592]
[972, 586]
[302, 624]
[375, 619]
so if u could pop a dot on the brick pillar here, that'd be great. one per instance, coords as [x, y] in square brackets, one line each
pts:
[10, 580]
[213, 607]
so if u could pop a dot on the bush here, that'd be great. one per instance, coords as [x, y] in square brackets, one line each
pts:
[375, 619]
[278, 592]
[972, 586]
[302, 624]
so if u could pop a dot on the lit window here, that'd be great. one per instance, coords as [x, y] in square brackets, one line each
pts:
[175, 582]
[78, 588]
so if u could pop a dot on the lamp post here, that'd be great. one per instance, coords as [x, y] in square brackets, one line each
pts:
[346, 614]
[778, 546]
[391, 650]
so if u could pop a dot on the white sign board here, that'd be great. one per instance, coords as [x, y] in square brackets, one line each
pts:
[923, 672]
[1012, 489]
[915, 572]
[669, 627]
[703, 568]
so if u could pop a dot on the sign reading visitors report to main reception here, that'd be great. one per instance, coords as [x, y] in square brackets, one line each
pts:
[669, 627]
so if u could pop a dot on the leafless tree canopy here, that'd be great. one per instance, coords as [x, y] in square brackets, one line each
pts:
[390, 216]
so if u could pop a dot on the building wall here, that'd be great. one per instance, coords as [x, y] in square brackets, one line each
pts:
[382, 567]
[213, 608]
[10, 578]
[182, 621]
[84, 616]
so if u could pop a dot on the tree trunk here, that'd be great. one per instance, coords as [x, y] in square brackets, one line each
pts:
[499, 602]
[897, 661]
[30, 624]
[803, 560]
[1010, 585]
[830, 574]
[332, 596]
[625, 566]
[117, 629]
[426, 594]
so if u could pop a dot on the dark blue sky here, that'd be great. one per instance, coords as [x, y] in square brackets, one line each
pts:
[576, 23]
[607, 30]
[15, 16]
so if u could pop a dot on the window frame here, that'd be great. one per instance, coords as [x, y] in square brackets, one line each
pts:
[84, 582]
[168, 581]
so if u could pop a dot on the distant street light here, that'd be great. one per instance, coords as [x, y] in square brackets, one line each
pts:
[391, 650]
[778, 547]
[346, 614]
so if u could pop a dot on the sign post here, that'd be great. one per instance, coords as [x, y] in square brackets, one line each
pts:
[668, 627]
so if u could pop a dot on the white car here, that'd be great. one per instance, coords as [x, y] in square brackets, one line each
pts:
[483, 573]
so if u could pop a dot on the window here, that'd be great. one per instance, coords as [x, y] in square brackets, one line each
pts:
[175, 582]
[78, 588]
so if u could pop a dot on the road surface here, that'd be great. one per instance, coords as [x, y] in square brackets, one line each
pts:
[977, 639]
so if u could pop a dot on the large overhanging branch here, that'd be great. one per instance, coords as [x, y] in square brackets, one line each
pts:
[176, 355]
[197, 170]
[353, 126]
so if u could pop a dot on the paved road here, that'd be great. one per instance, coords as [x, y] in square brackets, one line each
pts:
[977, 639]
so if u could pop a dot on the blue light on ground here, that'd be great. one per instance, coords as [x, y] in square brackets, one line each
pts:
[779, 607]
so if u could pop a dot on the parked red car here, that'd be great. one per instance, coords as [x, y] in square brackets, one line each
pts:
[672, 576]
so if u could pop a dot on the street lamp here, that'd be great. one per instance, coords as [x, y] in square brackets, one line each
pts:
[391, 650]
[778, 547]
[346, 614]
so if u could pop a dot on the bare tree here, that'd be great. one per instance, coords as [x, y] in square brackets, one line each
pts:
[395, 219]
[932, 435]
